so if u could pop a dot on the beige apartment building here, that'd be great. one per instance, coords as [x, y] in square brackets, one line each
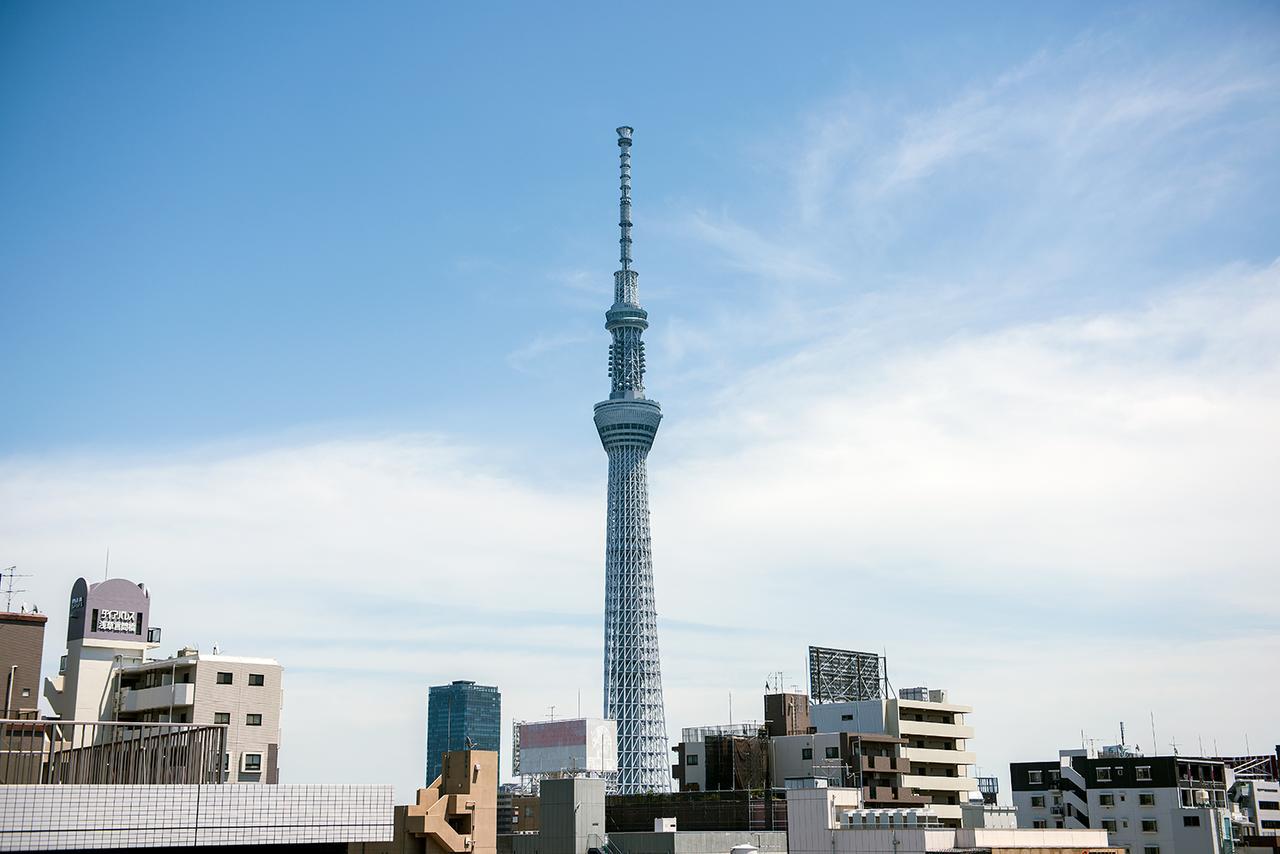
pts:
[935, 737]
[244, 694]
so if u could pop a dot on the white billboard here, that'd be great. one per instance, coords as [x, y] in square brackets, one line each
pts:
[577, 744]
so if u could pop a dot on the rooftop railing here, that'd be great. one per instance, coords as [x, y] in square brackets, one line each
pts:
[57, 752]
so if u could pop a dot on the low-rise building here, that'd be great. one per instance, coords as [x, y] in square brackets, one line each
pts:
[245, 694]
[105, 676]
[823, 819]
[1146, 804]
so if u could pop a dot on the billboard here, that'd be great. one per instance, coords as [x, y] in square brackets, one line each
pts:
[843, 675]
[577, 744]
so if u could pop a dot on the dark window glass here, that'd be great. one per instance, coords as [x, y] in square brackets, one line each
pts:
[224, 678]
[257, 679]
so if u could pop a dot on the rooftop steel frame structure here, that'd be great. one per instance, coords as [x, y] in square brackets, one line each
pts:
[844, 675]
[627, 423]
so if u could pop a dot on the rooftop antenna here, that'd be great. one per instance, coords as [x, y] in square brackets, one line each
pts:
[552, 710]
[1154, 744]
[9, 573]
[1173, 742]
[106, 570]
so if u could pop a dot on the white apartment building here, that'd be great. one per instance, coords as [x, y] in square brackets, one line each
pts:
[244, 694]
[105, 676]
[1258, 801]
[1146, 804]
[936, 749]
[827, 820]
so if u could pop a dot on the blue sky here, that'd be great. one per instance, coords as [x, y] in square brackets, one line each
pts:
[973, 307]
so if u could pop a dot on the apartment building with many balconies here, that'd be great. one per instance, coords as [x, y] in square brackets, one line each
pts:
[1147, 804]
[934, 735]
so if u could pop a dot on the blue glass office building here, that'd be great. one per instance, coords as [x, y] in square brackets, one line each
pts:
[458, 712]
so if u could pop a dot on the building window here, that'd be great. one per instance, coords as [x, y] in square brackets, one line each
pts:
[222, 717]
[1143, 772]
[257, 680]
[806, 753]
[1151, 849]
[253, 720]
[1270, 824]
[1146, 799]
[1269, 805]
[833, 753]
[691, 759]
[1109, 825]
[846, 717]
[1039, 824]
[252, 762]
[1037, 801]
[1103, 775]
[1191, 821]
[1107, 799]
[224, 678]
[1035, 778]
[1149, 825]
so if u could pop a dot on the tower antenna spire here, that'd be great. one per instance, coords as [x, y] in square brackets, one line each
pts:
[627, 423]
[624, 200]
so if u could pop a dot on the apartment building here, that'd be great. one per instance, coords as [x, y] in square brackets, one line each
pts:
[1146, 804]
[873, 763]
[934, 734]
[244, 694]
[105, 676]
[21, 651]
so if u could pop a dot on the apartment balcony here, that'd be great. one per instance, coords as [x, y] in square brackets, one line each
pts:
[891, 795]
[944, 757]
[929, 783]
[159, 697]
[885, 764]
[909, 728]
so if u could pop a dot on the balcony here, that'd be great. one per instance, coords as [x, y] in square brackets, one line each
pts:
[159, 697]
[929, 783]
[944, 757]
[885, 764]
[895, 795]
[935, 729]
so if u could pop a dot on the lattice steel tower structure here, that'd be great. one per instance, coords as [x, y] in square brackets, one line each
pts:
[627, 423]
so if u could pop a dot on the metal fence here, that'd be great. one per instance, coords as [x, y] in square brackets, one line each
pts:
[99, 752]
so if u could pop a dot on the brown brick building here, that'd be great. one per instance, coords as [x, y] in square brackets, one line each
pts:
[21, 653]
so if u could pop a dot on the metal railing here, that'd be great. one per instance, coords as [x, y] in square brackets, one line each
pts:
[101, 752]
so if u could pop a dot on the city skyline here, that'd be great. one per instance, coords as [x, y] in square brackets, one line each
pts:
[984, 321]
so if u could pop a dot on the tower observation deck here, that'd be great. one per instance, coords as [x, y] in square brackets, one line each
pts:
[627, 423]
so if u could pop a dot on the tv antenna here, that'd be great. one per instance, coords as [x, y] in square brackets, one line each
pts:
[8, 574]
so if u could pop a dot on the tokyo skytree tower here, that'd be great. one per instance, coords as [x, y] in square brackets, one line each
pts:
[627, 423]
